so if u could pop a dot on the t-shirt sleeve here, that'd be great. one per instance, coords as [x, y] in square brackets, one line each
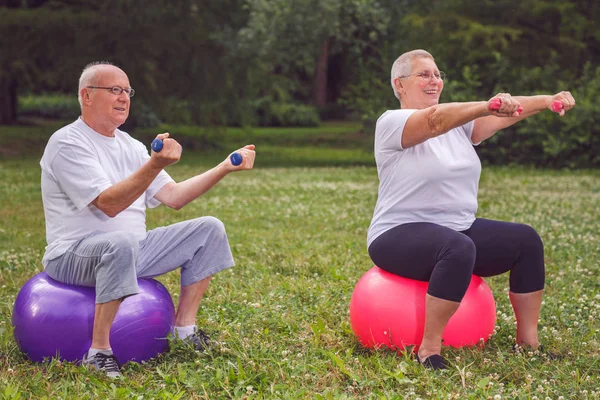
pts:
[79, 173]
[161, 180]
[468, 130]
[389, 130]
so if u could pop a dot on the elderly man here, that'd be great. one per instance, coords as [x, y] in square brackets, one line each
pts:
[96, 184]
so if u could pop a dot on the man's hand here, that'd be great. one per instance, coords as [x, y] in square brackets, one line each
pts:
[170, 153]
[248, 154]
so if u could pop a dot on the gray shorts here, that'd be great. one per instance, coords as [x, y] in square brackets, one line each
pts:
[112, 261]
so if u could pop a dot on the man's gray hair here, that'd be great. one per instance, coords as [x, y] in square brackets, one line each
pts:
[88, 77]
[403, 65]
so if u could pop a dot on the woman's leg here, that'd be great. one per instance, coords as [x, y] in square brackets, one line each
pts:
[429, 252]
[505, 246]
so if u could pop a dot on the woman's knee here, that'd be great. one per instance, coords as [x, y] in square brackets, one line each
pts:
[528, 274]
[530, 240]
[460, 250]
[451, 276]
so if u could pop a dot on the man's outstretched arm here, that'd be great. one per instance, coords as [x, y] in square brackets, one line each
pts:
[177, 195]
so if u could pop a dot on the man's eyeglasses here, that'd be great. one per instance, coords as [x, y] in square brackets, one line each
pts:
[426, 76]
[116, 90]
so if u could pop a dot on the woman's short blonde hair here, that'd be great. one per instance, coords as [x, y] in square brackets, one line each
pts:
[403, 65]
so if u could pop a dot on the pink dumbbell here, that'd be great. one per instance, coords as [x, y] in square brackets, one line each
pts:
[496, 103]
[557, 106]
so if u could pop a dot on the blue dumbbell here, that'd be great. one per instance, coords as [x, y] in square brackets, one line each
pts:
[236, 159]
[157, 145]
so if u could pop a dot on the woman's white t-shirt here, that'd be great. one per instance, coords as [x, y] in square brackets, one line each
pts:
[435, 181]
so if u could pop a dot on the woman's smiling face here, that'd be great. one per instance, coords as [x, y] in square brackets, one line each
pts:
[422, 88]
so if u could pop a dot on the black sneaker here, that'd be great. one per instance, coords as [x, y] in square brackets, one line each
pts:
[434, 361]
[104, 363]
[198, 339]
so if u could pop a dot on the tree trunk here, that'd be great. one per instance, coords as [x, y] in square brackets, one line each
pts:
[321, 75]
[8, 99]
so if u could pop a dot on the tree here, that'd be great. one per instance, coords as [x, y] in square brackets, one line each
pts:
[296, 39]
[166, 48]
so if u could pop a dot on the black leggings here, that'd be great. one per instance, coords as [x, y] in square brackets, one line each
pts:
[447, 258]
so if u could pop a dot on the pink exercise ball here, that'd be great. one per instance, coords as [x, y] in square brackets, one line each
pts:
[389, 310]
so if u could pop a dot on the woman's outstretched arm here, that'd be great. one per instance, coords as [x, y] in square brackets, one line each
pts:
[436, 120]
[486, 127]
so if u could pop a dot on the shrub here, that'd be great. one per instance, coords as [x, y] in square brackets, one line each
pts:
[141, 115]
[270, 113]
[176, 111]
[49, 106]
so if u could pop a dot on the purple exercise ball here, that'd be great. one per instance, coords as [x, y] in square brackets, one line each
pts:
[53, 319]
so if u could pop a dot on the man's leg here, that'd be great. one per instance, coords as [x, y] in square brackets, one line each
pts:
[104, 316]
[189, 302]
[201, 248]
[105, 261]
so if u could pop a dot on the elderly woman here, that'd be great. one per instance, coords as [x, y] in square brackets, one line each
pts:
[424, 225]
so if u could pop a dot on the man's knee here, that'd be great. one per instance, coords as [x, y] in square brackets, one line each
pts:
[121, 251]
[122, 242]
[211, 225]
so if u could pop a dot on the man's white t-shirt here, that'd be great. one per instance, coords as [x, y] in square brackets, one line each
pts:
[435, 181]
[78, 164]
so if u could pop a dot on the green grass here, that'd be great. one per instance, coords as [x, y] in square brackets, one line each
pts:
[280, 317]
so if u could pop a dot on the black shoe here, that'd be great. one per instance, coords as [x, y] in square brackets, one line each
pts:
[106, 363]
[434, 361]
[198, 339]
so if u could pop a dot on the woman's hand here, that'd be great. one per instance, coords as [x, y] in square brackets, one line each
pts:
[565, 99]
[504, 105]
